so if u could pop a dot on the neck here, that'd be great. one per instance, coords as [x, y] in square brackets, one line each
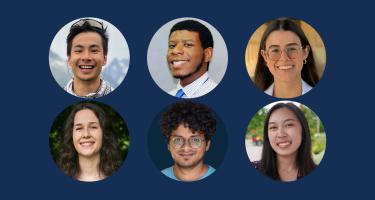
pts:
[190, 174]
[83, 88]
[89, 169]
[289, 89]
[189, 79]
[287, 168]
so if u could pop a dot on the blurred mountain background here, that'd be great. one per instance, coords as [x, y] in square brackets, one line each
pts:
[114, 72]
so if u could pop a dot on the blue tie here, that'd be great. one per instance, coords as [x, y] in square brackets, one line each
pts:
[180, 93]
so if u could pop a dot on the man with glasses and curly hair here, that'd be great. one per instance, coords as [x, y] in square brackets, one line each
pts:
[188, 128]
[87, 48]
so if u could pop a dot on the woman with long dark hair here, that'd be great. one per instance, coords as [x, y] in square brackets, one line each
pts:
[286, 153]
[285, 66]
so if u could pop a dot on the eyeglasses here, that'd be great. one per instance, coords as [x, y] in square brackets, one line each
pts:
[194, 142]
[274, 53]
[91, 22]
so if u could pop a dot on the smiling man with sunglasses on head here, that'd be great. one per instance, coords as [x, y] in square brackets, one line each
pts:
[188, 128]
[87, 48]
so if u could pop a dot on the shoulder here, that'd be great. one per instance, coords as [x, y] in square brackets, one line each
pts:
[257, 164]
[167, 171]
[173, 92]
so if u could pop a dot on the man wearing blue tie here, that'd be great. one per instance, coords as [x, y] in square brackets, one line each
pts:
[190, 49]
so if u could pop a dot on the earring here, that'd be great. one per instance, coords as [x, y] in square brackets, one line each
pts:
[304, 62]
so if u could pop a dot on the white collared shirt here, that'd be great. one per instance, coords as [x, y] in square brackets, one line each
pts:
[305, 88]
[197, 88]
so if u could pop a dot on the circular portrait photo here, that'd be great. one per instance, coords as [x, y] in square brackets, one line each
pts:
[285, 141]
[187, 141]
[89, 141]
[187, 58]
[285, 57]
[89, 57]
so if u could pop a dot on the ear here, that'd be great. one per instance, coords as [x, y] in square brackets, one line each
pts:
[208, 145]
[265, 58]
[306, 52]
[264, 54]
[208, 54]
[69, 62]
[105, 60]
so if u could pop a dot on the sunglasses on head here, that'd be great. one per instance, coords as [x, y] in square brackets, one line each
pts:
[91, 22]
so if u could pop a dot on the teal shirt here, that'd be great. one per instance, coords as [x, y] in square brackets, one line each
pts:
[169, 172]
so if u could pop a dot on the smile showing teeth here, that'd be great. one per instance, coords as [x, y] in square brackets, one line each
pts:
[86, 144]
[179, 62]
[284, 144]
[86, 67]
[284, 67]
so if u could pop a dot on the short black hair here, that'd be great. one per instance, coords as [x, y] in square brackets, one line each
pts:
[197, 117]
[205, 35]
[86, 27]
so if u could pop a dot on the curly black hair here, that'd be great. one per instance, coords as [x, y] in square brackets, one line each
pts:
[199, 118]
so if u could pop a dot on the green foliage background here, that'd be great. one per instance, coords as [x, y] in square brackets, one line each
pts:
[118, 124]
[318, 138]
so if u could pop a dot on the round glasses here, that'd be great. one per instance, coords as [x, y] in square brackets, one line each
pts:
[274, 53]
[179, 142]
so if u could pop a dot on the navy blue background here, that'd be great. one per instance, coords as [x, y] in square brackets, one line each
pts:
[31, 99]
[160, 155]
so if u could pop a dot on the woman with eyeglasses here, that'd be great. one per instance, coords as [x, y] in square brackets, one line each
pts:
[188, 128]
[286, 66]
[89, 148]
[286, 153]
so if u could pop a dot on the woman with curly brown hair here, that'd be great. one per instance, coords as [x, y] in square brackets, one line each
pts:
[89, 148]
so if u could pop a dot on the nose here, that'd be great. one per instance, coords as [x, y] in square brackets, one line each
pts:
[86, 55]
[284, 55]
[281, 132]
[178, 49]
[86, 133]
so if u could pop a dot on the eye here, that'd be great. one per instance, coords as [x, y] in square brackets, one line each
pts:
[195, 140]
[95, 50]
[272, 128]
[78, 129]
[188, 45]
[171, 46]
[292, 49]
[289, 125]
[275, 50]
[178, 140]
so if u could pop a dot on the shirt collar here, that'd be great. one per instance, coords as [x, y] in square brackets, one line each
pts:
[190, 89]
[104, 89]
[305, 88]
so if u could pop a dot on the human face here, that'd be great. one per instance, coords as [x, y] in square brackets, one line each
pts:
[186, 156]
[87, 134]
[284, 132]
[87, 56]
[186, 56]
[286, 68]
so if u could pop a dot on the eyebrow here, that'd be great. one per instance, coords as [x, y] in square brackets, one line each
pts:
[91, 46]
[289, 44]
[188, 40]
[287, 120]
[81, 124]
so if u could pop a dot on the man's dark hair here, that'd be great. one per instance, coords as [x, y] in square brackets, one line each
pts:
[205, 35]
[87, 27]
[197, 117]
